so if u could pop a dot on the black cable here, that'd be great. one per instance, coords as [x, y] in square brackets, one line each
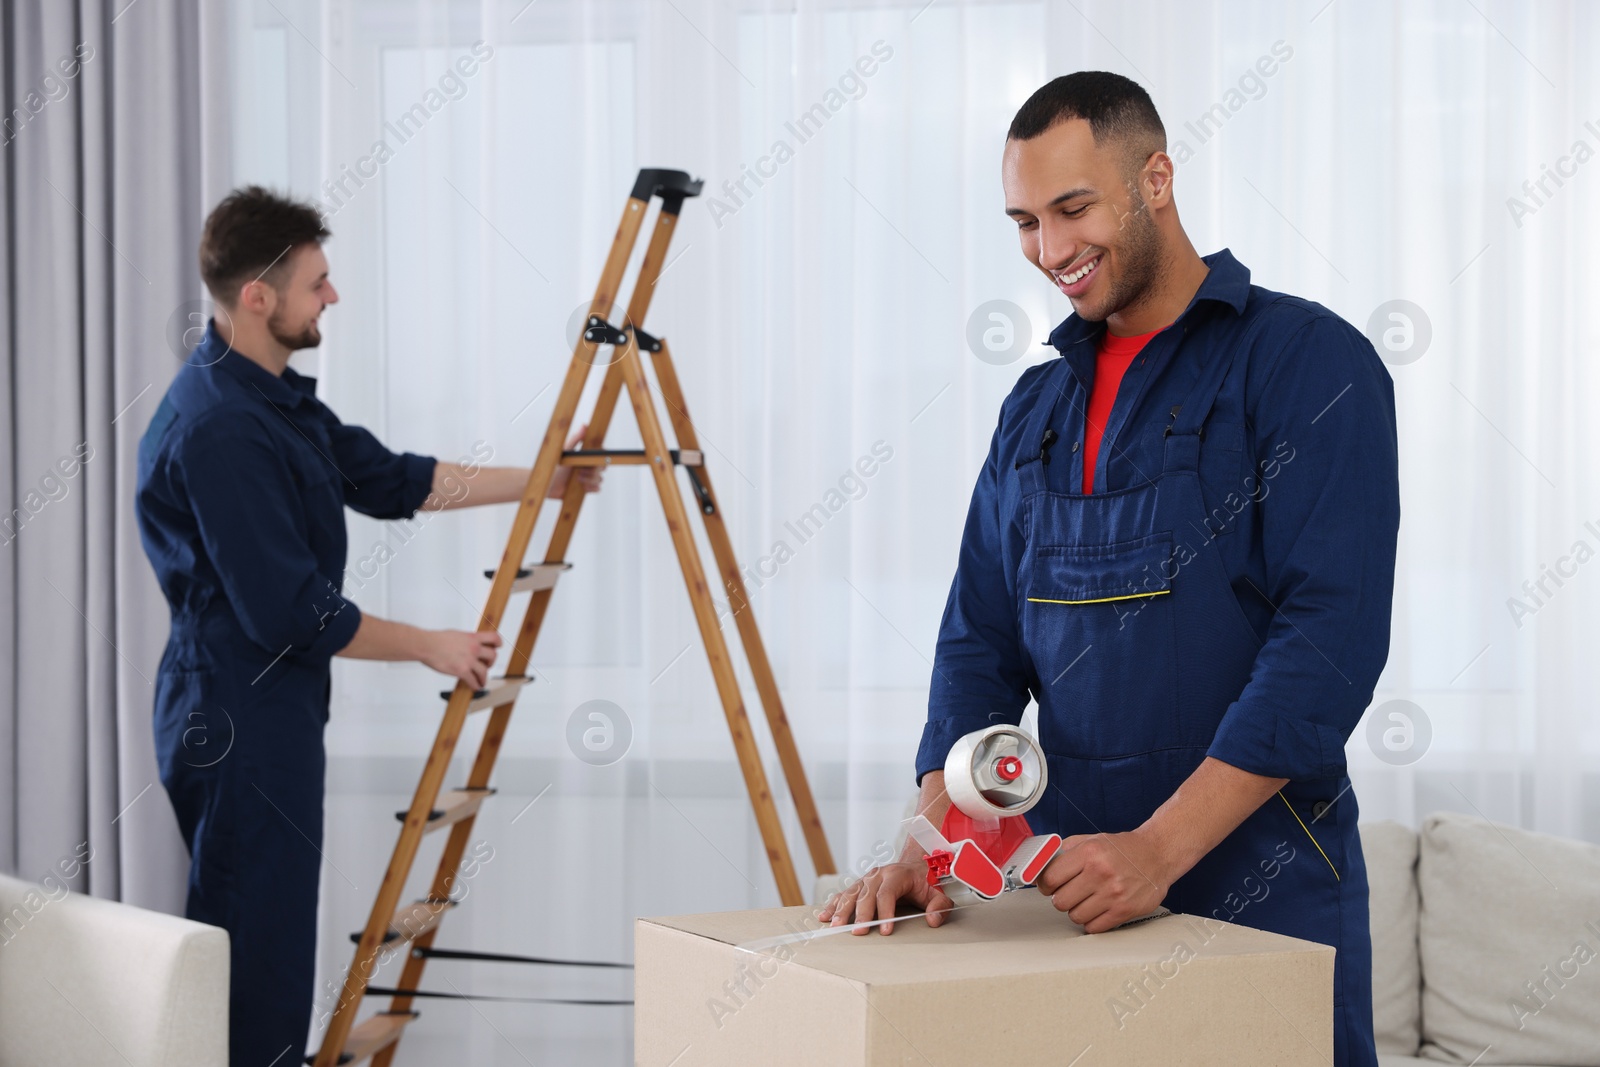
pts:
[385, 991]
[496, 957]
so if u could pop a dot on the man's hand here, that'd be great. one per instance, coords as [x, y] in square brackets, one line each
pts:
[1103, 880]
[589, 477]
[463, 654]
[875, 896]
[456, 486]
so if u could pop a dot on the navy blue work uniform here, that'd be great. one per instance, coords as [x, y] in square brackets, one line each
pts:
[1224, 592]
[243, 481]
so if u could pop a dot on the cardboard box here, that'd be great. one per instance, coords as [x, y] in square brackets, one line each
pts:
[1012, 982]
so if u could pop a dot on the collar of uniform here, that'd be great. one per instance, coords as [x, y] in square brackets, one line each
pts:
[286, 390]
[1227, 282]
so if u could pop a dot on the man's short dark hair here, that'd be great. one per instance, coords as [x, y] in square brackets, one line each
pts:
[1116, 108]
[249, 235]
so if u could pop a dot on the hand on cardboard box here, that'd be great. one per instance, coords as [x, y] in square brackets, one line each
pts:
[876, 894]
[1103, 880]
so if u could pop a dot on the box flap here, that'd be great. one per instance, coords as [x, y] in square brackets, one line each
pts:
[1020, 933]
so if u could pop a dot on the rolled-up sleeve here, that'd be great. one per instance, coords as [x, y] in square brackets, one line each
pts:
[378, 482]
[241, 491]
[980, 677]
[1329, 529]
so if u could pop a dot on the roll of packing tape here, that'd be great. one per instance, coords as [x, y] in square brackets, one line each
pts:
[995, 772]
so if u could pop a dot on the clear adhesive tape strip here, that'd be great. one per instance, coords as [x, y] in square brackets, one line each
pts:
[800, 936]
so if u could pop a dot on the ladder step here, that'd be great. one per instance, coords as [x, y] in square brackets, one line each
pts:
[412, 921]
[372, 1036]
[537, 577]
[500, 691]
[454, 805]
[606, 457]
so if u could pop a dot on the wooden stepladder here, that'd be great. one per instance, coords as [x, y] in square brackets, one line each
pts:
[392, 923]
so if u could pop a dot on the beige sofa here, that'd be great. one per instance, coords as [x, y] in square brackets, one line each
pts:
[87, 982]
[1485, 945]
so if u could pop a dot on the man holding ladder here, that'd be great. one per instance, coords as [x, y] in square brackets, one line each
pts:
[243, 479]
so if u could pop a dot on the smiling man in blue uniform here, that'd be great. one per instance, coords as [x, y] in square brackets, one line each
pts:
[1202, 611]
[244, 476]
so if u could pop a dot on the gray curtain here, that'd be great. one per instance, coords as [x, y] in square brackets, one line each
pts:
[104, 184]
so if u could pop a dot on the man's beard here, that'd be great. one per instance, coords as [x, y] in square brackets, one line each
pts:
[309, 337]
[1139, 256]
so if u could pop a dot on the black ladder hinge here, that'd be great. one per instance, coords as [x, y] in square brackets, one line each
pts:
[601, 332]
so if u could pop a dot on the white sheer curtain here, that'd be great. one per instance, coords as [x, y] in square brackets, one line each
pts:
[1352, 152]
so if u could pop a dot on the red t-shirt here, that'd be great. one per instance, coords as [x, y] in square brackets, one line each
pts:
[1111, 360]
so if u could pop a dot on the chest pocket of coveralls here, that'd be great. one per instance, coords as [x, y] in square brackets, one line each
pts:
[1229, 489]
[1097, 622]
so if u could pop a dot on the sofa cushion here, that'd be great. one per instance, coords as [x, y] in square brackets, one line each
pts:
[1510, 945]
[1391, 852]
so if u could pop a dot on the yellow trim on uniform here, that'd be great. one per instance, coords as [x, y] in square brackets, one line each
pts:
[1307, 829]
[1099, 600]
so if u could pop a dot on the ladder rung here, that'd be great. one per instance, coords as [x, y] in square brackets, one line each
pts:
[454, 805]
[534, 578]
[606, 457]
[412, 921]
[500, 691]
[372, 1036]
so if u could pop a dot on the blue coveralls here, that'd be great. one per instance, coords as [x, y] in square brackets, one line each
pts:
[243, 480]
[1225, 591]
